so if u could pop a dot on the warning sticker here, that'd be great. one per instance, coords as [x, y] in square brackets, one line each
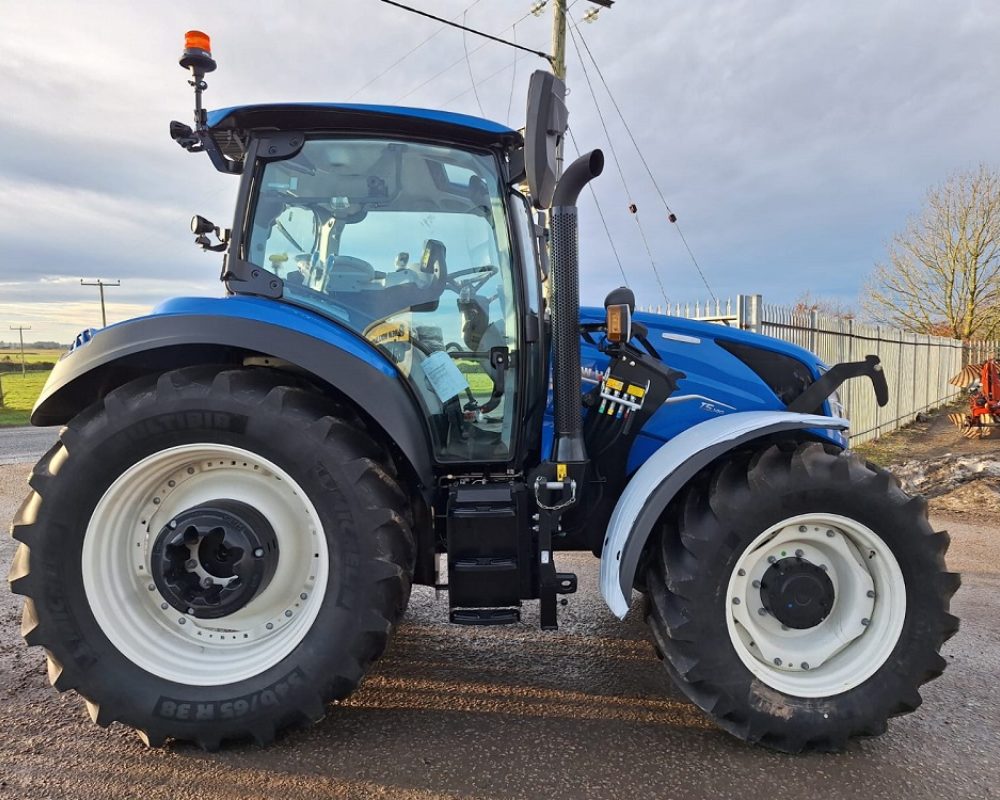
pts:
[387, 332]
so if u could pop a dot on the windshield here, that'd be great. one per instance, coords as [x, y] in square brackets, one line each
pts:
[408, 245]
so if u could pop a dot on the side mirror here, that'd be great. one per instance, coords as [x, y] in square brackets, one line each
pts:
[545, 126]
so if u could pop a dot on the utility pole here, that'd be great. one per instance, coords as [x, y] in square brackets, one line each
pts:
[559, 47]
[100, 284]
[20, 330]
[559, 61]
[559, 39]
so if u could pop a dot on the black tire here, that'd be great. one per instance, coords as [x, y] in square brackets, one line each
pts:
[707, 530]
[323, 446]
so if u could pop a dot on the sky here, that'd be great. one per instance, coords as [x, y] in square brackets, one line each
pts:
[792, 140]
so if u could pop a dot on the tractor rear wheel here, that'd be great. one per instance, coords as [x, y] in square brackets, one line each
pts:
[211, 555]
[800, 597]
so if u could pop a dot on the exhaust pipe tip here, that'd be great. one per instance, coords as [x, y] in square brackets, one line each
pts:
[577, 175]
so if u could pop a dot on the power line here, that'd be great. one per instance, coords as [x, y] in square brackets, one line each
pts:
[409, 53]
[455, 63]
[670, 214]
[468, 61]
[513, 77]
[479, 83]
[621, 174]
[490, 36]
[600, 212]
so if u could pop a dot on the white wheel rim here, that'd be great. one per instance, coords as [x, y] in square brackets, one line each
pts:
[861, 629]
[178, 647]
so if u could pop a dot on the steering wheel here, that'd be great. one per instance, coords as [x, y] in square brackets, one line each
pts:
[475, 278]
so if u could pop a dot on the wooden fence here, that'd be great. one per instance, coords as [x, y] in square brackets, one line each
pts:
[917, 367]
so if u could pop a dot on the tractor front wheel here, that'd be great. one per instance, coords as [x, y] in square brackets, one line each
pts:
[800, 597]
[212, 554]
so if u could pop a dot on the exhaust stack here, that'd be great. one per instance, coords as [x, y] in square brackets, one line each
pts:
[568, 446]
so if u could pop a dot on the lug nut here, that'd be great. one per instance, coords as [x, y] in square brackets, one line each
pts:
[303, 596]
[829, 534]
[164, 606]
[736, 601]
[870, 593]
[756, 584]
[181, 621]
[206, 582]
[762, 612]
[771, 559]
[269, 625]
[191, 565]
[190, 611]
[805, 665]
[741, 572]
[172, 524]
[258, 553]
[799, 553]
[866, 622]
[802, 529]
[777, 662]
[288, 613]
[152, 587]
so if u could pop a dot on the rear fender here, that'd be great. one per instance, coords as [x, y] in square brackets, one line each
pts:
[222, 331]
[666, 472]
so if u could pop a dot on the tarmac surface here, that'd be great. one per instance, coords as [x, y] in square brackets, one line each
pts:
[585, 712]
[25, 445]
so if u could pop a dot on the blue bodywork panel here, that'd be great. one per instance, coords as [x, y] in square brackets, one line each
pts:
[685, 345]
[283, 314]
[220, 115]
[692, 347]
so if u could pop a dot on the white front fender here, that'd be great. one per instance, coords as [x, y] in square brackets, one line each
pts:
[664, 474]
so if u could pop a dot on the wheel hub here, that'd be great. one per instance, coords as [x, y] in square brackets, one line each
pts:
[799, 594]
[211, 560]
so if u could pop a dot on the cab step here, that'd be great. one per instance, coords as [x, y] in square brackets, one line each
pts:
[485, 616]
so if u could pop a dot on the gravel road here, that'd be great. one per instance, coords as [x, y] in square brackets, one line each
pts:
[586, 712]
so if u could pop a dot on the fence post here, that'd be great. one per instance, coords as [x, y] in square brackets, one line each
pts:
[756, 313]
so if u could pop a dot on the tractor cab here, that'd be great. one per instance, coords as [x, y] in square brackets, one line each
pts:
[405, 227]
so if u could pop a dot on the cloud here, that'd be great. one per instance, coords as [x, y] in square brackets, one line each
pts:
[792, 140]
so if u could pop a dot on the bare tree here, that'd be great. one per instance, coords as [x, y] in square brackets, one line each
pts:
[828, 306]
[942, 273]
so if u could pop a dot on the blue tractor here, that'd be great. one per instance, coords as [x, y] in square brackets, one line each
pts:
[246, 488]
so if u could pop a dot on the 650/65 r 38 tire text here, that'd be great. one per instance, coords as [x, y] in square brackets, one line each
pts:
[800, 597]
[212, 554]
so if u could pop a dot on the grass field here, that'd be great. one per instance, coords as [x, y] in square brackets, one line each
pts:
[20, 392]
[19, 395]
[31, 356]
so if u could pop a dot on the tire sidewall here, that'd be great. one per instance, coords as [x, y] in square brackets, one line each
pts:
[110, 444]
[742, 520]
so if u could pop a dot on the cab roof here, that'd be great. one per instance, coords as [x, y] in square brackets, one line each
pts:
[352, 117]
